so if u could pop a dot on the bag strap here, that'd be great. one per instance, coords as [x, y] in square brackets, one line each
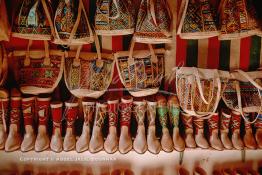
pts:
[244, 74]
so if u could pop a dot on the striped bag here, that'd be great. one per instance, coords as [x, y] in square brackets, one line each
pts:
[3, 65]
[4, 25]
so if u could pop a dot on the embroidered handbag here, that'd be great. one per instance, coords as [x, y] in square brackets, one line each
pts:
[71, 24]
[141, 71]
[3, 65]
[243, 92]
[38, 71]
[88, 74]
[196, 20]
[238, 19]
[199, 90]
[153, 22]
[4, 25]
[33, 20]
[114, 17]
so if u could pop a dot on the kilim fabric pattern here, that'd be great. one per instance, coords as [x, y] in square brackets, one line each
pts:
[162, 113]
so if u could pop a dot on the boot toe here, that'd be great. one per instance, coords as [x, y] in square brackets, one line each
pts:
[167, 143]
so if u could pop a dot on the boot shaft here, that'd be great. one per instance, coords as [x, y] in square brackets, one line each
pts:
[43, 110]
[225, 120]
[199, 124]
[187, 120]
[28, 106]
[88, 109]
[247, 123]
[4, 103]
[101, 110]
[236, 121]
[113, 112]
[56, 111]
[126, 109]
[151, 113]
[258, 123]
[71, 113]
[213, 122]
[15, 112]
[173, 111]
[139, 111]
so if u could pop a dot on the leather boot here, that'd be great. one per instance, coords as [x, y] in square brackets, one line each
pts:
[199, 133]
[125, 140]
[82, 143]
[236, 139]
[4, 102]
[258, 135]
[249, 139]
[224, 128]
[42, 140]
[56, 143]
[174, 111]
[111, 142]
[13, 140]
[162, 112]
[28, 106]
[152, 141]
[139, 110]
[97, 140]
[71, 113]
[214, 140]
[188, 123]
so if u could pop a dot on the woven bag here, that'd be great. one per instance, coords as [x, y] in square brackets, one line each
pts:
[199, 90]
[238, 19]
[38, 71]
[196, 20]
[141, 71]
[71, 24]
[243, 93]
[33, 20]
[3, 65]
[88, 74]
[4, 25]
[114, 17]
[153, 22]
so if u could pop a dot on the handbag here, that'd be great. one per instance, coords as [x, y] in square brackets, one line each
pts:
[243, 93]
[114, 17]
[141, 71]
[199, 90]
[4, 25]
[3, 65]
[38, 71]
[33, 20]
[71, 24]
[88, 74]
[153, 22]
[196, 20]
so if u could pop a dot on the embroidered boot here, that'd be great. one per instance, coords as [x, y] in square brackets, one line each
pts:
[28, 106]
[188, 123]
[139, 110]
[3, 118]
[199, 133]
[125, 141]
[236, 139]
[152, 142]
[13, 140]
[258, 135]
[249, 139]
[97, 139]
[71, 113]
[174, 111]
[56, 143]
[225, 119]
[162, 112]
[82, 143]
[214, 140]
[111, 142]
[42, 140]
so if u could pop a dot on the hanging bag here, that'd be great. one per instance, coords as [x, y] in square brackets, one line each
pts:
[38, 71]
[3, 65]
[71, 24]
[153, 22]
[114, 17]
[4, 25]
[141, 71]
[88, 74]
[33, 20]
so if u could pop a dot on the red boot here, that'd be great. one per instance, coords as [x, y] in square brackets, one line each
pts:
[236, 139]
[213, 131]
[225, 119]
[258, 135]
[249, 139]
[199, 133]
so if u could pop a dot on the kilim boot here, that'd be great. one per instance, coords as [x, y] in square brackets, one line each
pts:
[56, 143]
[28, 106]
[225, 119]
[236, 139]
[13, 140]
[4, 102]
[42, 140]
[97, 139]
[189, 131]
[152, 142]
[111, 142]
[174, 111]
[258, 135]
[214, 140]
[139, 110]
[71, 113]
[249, 139]
[162, 112]
[125, 141]
[199, 133]
[82, 143]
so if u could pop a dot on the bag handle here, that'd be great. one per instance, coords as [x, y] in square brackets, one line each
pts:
[244, 74]
[47, 60]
